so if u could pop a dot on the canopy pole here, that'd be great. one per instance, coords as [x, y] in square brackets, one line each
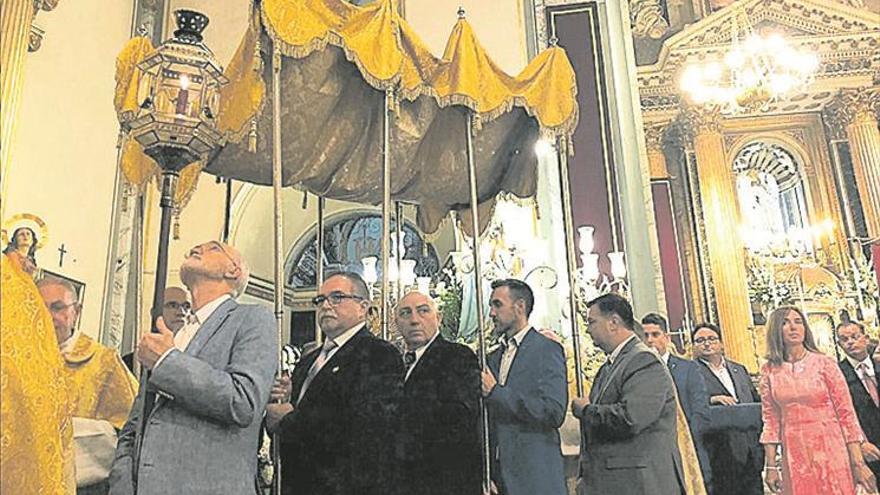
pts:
[319, 262]
[386, 206]
[278, 217]
[568, 232]
[478, 279]
[398, 227]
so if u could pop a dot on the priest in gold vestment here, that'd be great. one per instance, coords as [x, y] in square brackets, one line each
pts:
[36, 451]
[102, 390]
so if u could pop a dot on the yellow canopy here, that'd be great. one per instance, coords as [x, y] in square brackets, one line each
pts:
[337, 62]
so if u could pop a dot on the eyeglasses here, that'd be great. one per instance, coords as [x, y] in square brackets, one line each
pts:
[334, 298]
[704, 340]
[58, 307]
[176, 305]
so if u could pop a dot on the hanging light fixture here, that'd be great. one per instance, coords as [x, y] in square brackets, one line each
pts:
[757, 71]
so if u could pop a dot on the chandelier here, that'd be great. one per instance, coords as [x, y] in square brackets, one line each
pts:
[757, 70]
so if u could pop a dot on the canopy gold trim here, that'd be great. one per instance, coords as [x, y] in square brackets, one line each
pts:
[338, 61]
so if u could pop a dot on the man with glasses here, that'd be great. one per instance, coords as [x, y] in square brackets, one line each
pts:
[102, 390]
[735, 455]
[176, 310]
[337, 422]
[212, 380]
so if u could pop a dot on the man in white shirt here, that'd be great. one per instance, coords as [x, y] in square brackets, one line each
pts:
[735, 456]
[526, 393]
[338, 430]
[211, 379]
[861, 379]
[440, 413]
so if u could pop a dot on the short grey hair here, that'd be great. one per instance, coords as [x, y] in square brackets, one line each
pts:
[50, 280]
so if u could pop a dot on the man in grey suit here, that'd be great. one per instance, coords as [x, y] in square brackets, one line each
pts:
[629, 442]
[212, 379]
[526, 393]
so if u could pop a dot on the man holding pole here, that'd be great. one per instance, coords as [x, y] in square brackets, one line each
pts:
[526, 394]
[212, 379]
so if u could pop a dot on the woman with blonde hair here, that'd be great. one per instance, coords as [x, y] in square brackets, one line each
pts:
[808, 412]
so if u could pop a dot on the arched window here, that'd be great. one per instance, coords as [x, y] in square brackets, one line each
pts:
[348, 238]
[771, 197]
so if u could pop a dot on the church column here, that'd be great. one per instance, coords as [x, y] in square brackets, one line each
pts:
[725, 249]
[18, 36]
[856, 110]
[15, 27]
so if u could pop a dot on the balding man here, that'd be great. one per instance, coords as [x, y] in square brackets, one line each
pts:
[338, 429]
[101, 389]
[212, 380]
[175, 311]
[440, 411]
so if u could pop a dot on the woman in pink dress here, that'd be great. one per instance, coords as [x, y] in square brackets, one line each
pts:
[808, 412]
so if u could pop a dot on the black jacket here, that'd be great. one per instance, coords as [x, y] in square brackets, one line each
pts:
[867, 412]
[440, 435]
[340, 439]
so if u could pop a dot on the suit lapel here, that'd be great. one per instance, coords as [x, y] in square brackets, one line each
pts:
[334, 364]
[427, 359]
[619, 363]
[210, 327]
[518, 360]
[302, 370]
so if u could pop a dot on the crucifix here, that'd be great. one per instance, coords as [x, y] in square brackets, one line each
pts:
[61, 253]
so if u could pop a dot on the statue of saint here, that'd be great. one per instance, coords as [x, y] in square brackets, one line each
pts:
[22, 248]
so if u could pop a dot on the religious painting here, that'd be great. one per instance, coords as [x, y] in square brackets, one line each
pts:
[79, 287]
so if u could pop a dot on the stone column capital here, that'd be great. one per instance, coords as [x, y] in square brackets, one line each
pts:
[655, 133]
[699, 120]
[856, 105]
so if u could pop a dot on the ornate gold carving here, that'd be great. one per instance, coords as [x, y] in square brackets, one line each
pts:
[696, 120]
[646, 17]
[654, 135]
[854, 105]
[35, 38]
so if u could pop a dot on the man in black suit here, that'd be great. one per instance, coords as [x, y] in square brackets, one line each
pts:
[526, 394]
[861, 378]
[440, 435]
[735, 455]
[337, 432]
[689, 383]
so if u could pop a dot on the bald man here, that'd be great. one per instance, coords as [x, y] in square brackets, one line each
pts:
[440, 409]
[175, 311]
[212, 379]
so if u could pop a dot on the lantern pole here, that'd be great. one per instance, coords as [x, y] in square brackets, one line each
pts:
[386, 206]
[478, 283]
[279, 239]
[568, 232]
[398, 249]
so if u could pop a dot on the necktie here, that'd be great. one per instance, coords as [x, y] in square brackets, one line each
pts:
[329, 345]
[870, 384]
[409, 359]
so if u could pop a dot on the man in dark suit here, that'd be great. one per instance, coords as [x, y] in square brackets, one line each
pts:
[689, 383]
[212, 378]
[735, 455]
[861, 378]
[629, 442]
[440, 435]
[526, 395]
[337, 432]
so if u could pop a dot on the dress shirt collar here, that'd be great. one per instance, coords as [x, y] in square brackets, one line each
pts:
[205, 312]
[665, 358]
[618, 349]
[519, 336]
[855, 364]
[345, 336]
[68, 345]
[421, 350]
[716, 369]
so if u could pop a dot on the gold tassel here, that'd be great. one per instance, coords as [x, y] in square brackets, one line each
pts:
[252, 136]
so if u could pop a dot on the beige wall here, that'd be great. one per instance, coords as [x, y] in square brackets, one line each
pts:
[63, 168]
